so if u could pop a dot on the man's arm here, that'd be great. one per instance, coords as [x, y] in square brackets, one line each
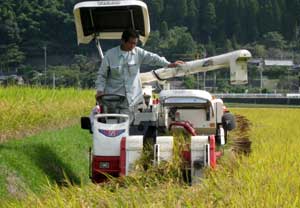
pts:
[101, 77]
[176, 63]
[156, 60]
[152, 58]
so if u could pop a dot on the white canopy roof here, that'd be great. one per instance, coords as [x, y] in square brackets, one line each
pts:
[108, 19]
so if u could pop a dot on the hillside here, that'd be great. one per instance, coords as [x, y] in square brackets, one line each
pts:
[33, 31]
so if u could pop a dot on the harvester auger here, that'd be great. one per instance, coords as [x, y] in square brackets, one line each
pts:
[118, 144]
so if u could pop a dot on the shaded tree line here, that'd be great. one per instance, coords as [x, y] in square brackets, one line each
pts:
[185, 29]
[218, 20]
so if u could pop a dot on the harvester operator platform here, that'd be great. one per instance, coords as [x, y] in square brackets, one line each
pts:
[119, 74]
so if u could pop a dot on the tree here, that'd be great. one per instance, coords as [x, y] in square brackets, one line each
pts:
[179, 43]
[28, 17]
[190, 82]
[207, 20]
[249, 21]
[10, 53]
[276, 16]
[274, 40]
[232, 20]
[192, 16]
[291, 19]
[182, 9]
[175, 12]
[220, 8]
[11, 57]
[268, 16]
[164, 31]
[154, 42]
[259, 51]
[210, 48]
[156, 8]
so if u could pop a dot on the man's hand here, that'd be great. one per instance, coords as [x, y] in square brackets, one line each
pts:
[175, 64]
[98, 95]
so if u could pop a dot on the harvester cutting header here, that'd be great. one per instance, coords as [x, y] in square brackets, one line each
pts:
[118, 142]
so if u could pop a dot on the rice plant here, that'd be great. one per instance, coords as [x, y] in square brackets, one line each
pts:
[28, 110]
[268, 176]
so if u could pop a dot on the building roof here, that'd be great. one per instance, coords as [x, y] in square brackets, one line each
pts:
[270, 62]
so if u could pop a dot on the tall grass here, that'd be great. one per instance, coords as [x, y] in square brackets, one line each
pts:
[26, 110]
[268, 177]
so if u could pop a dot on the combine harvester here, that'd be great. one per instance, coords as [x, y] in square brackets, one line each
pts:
[117, 144]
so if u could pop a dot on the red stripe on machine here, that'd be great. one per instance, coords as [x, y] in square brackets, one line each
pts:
[123, 157]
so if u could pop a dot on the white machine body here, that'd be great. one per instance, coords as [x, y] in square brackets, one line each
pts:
[199, 151]
[163, 149]
[200, 156]
[196, 106]
[107, 136]
[134, 149]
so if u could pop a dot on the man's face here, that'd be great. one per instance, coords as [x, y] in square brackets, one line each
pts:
[130, 44]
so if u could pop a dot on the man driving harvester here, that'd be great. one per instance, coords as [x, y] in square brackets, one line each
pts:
[119, 75]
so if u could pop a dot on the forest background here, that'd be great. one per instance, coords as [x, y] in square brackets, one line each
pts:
[38, 40]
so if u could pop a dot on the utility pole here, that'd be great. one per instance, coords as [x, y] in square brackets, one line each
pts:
[53, 80]
[197, 56]
[299, 81]
[204, 79]
[260, 68]
[45, 63]
[215, 81]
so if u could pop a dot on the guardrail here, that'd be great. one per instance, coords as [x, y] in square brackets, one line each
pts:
[277, 99]
[251, 95]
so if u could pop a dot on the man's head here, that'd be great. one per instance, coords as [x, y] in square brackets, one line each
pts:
[129, 40]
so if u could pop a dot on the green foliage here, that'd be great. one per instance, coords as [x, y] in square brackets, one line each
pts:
[228, 45]
[275, 71]
[64, 76]
[209, 18]
[178, 29]
[259, 50]
[223, 86]
[210, 48]
[10, 54]
[274, 40]
[152, 43]
[190, 82]
[164, 31]
[192, 16]
[29, 165]
[183, 41]
[288, 83]
[179, 43]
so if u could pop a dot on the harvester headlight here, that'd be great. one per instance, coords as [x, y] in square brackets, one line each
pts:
[104, 165]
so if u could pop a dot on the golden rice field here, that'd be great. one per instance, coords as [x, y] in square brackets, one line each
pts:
[25, 110]
[268, 177]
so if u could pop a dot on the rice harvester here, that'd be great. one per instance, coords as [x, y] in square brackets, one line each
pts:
[118, 144]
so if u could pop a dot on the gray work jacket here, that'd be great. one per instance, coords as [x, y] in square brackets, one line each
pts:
[120, 70]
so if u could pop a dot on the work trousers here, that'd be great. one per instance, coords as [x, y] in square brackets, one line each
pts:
[120, 106]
